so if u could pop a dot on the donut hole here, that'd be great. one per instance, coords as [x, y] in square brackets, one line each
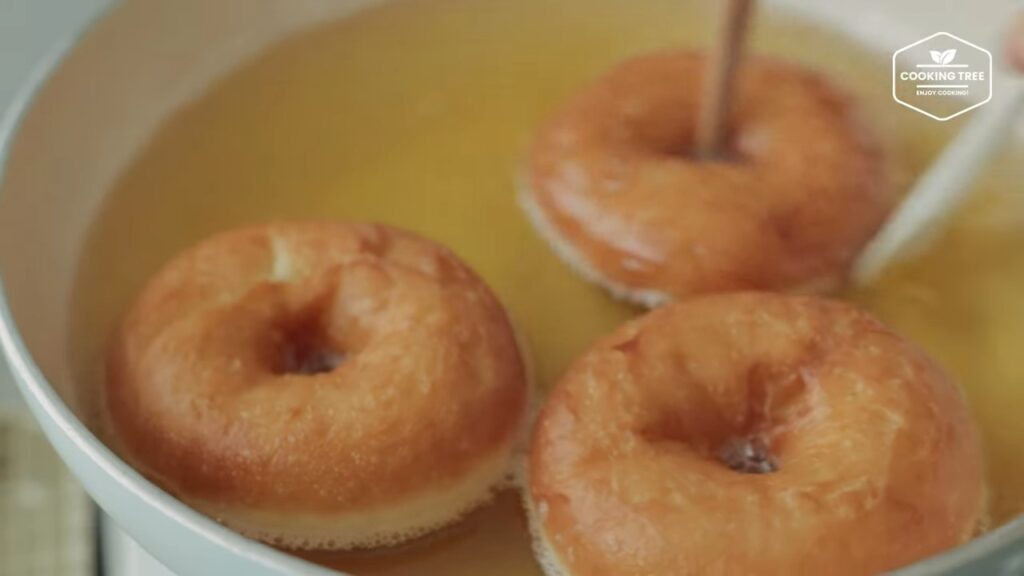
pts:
[733, 150]
[748, 455]
[737, 449]
[305, 348]
[303, 358]
[737, 147]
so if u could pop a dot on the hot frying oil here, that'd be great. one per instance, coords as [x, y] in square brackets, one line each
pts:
[418, 113]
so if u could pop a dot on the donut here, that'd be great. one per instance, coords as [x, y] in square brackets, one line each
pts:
[319, 385]
[611, 184]
[752, 433]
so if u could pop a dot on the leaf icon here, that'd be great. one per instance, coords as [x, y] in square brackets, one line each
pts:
[948, 56]
[936, 56]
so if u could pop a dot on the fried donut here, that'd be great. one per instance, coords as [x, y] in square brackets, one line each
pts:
[611, 184]
[319, 385]
[752, 434]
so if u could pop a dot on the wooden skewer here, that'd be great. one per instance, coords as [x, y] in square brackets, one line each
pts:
[716, 103]
[1015, 44]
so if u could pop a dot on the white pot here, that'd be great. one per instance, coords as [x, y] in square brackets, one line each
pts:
[89, 111]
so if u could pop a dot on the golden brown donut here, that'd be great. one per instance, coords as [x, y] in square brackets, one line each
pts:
[752, 434]
[319, 385]
[611, 183]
